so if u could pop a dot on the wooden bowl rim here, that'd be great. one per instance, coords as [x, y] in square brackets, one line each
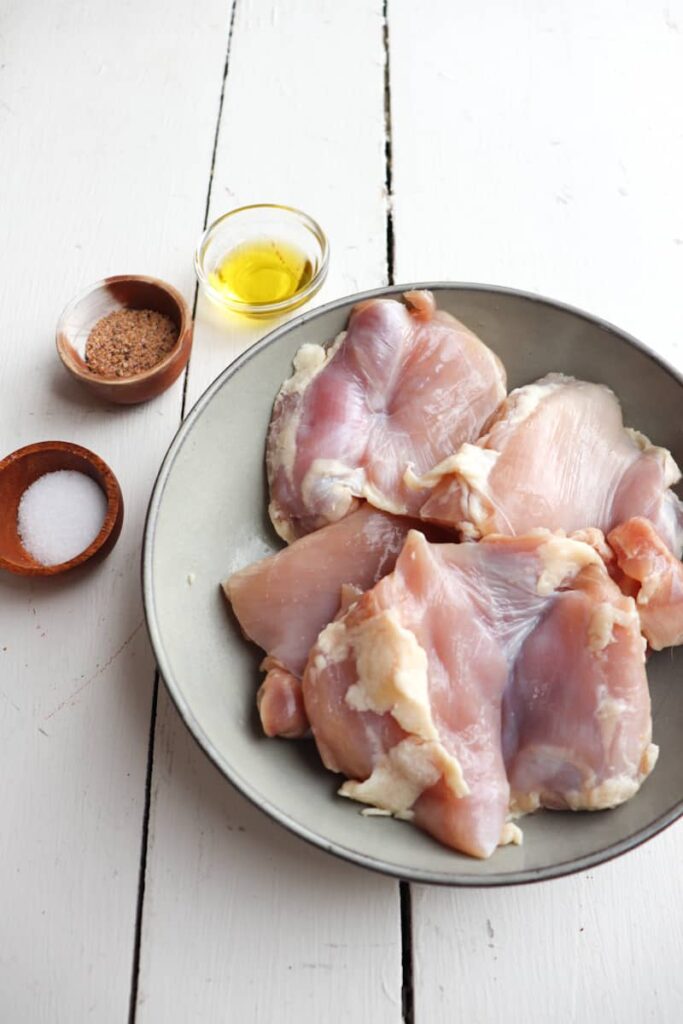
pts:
[87, 376]
[113, 518]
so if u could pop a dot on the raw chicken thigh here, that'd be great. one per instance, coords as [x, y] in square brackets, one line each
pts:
[557, 456]
[655, 577]
[576, 714]
[410, 693]
[283, 601]
[400, 390]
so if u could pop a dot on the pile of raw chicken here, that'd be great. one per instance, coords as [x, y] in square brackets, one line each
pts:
[461, 616]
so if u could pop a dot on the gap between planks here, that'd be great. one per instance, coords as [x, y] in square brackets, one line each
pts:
[209, 189]
[404, 891]
[143, 855]
[144, 844]
[388, 155]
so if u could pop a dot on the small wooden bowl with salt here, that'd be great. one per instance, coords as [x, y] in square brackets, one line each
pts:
[60, 506]
[126, 338]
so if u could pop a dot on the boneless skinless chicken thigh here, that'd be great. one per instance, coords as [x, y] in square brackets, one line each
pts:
[648, 570]
[557, 455]
[283, 601]
[476, 677]
[400, 390]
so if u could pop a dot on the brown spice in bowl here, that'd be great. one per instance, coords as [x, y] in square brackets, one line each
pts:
[129, 341]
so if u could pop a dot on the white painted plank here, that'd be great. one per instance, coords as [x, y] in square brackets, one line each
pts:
[537, 146]
[107, 114]
[243, 922]
[599, 948]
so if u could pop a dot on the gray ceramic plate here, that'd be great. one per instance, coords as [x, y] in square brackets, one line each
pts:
[207, 517]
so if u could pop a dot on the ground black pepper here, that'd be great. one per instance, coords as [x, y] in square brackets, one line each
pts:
[129, 341]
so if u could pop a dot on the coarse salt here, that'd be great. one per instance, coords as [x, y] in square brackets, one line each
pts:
[60, 515]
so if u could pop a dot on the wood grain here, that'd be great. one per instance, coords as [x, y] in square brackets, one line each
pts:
[241, 921]
[107, 115]
[600, 947]
[533, 146]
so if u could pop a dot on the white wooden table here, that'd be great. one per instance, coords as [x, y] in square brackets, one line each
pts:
[529, 143]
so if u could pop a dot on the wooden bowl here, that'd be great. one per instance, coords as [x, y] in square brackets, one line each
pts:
[126, 291]
[20, 469]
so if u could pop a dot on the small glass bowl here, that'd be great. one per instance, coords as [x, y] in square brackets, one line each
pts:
[262, 222]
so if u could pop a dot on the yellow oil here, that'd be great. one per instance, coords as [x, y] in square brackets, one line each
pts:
[262, 271]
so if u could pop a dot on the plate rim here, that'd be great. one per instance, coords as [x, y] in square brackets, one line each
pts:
[419, 875]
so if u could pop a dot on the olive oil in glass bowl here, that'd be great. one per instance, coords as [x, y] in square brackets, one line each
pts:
[262, 260]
